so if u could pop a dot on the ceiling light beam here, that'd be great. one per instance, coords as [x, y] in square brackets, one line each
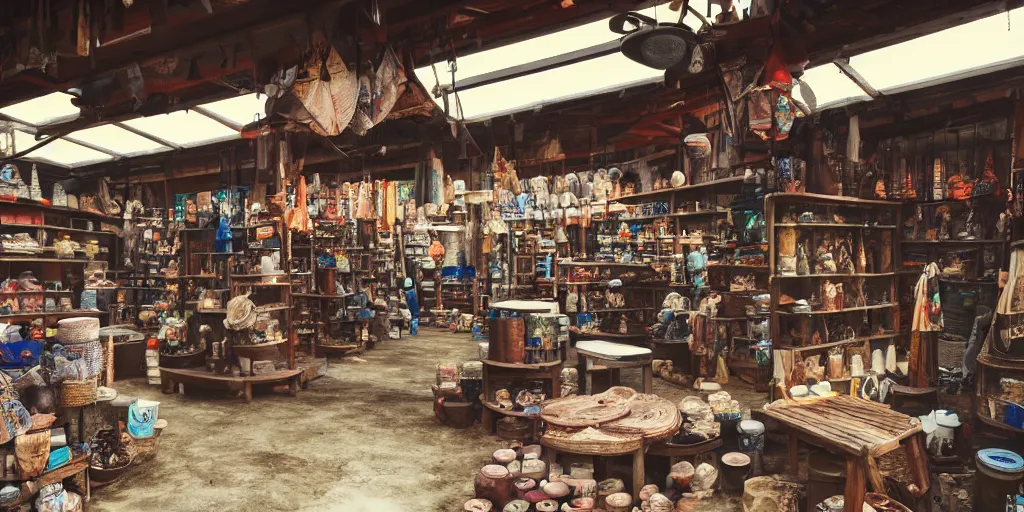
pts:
[94, 147]
[216, 117]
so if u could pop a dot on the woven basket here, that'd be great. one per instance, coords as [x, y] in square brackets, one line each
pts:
[90, 352]
[78, 330]
[76, 393]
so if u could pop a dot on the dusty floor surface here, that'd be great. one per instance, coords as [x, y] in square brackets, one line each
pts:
[361, 439]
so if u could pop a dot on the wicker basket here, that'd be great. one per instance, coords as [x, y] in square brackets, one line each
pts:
[78, 330]
[92, 353]
[146, 447]
[76, 393]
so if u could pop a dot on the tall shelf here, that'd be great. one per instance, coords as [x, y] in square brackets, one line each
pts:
[864, 312]
[46, 224]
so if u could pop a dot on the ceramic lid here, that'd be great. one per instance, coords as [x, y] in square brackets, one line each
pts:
[735, 459]
[1001, 460]
[750, 427]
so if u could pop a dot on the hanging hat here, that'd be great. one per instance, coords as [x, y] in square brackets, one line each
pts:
[698, 145]
[614, 174]
[615, 283]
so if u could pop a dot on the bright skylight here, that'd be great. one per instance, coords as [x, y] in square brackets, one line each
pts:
[586, 78]
[118, 140]
[826, 86]
[987, 44]
[558, 43]
[59, 152]
[55, 107]
[240, 110]
[184, 128]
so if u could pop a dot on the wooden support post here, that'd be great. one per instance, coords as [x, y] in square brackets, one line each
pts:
[853, 497]
[248, 391]
[638, 472]
[794, 454]
[874, 476]
[918, 461]
[648, 378]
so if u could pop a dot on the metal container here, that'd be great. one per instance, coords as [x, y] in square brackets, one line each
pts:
[1000, 474]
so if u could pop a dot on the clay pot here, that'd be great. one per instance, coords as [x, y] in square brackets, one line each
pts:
[536, 496]
[532, 451]
[618, 502]
[660, 503]
[556, 490]
[607, 488]
[523, 486]
[533, 468]
[493, 483]
[647, 491]
[478, 505]
[504, 456]
[681, 474]
[547, 506]
[517, 506]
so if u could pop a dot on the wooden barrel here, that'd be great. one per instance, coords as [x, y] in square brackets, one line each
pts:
[507, 340]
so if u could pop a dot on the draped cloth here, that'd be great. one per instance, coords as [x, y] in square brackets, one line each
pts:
[926, 321]
[298, 217]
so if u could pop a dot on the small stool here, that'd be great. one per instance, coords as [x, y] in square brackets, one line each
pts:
[914, 401]
[613, 356]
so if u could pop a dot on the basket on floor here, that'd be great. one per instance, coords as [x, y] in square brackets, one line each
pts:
[76, 393]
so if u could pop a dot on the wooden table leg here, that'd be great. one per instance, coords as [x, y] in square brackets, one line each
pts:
[918, 461]
[638, 472]
[853, 497]
[584, 374]
[248, 391]
[556, 381]
[293, 386]
[550, 457]
[875, 480]
[794, 455]
[588, 369]
[487, 419]
[648, 378]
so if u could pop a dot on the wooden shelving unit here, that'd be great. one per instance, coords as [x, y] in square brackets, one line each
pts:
[804, 286]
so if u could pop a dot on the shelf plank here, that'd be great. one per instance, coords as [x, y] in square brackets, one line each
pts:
[834, 276]
[523, 366]
[954, 242]
[808, 197]
[57, 228]
[732, 180]
[845, 310]
[832, 225]
[32, 259]
[54, 314]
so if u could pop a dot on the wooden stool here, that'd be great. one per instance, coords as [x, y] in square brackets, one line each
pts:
[613, 356]
[914, 401]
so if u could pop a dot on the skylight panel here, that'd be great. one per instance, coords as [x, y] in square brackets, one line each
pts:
[825, 87]
[117, 140]
[581, 79]
[985, 45]
[184, 128]
[240, 110]
[49, 109]
[59, 152]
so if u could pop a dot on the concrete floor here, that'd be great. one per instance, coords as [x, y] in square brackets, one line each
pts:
[361, 439]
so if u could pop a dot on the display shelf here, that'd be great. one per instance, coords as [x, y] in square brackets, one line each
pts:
[832, 225]
[523, 366]
[737, 265]
[618, 310]
[171, 377]
[45, 292]
[825, 199]
[839, 311]
[954, 242]
[732, 180]
[665, 216]
[842, 343]
[30, 259]
[603, 264]
[835, 276]
[57, 228]
[55, 314]
[62, 210]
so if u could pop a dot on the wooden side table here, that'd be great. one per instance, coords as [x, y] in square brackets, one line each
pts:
[496, 371]
[861, 429]
[613, 356]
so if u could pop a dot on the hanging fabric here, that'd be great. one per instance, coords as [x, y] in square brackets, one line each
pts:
[927, 318]
[298, 217]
